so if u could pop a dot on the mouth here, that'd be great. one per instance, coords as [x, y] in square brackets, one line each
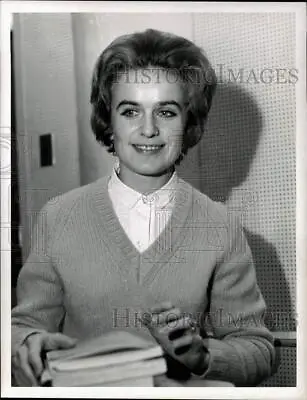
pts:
[148, 149]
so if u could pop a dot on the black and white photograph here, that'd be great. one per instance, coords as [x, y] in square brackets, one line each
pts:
[151, 223]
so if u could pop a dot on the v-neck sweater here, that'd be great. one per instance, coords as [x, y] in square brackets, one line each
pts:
[151, 211]
[85, 277]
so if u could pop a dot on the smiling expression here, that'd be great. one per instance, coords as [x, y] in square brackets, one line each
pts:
[148, 120]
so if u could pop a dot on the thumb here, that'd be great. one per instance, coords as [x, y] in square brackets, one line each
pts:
[58, 341]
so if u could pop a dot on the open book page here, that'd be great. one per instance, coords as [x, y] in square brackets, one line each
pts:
[114, 341]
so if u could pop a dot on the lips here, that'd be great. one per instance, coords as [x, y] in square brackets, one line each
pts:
[150, 148]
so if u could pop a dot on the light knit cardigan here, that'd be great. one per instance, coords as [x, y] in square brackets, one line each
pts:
[85, 277]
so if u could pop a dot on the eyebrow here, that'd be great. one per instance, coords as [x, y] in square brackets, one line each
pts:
[126, 103]
[160, 103]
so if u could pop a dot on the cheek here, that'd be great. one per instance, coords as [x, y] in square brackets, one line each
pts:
[174, 134]
[123, 130]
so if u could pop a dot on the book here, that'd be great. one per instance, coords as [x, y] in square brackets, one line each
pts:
[110, 376]
[114, 357]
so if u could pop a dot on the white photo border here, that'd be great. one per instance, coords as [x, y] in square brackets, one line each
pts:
[10, 7]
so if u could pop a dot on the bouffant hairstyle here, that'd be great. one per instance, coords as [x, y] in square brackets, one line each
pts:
[154, 49]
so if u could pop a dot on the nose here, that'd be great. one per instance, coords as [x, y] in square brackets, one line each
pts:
[149, 126]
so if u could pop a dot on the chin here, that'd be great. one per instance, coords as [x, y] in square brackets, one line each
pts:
[148, 172]
[155, 172]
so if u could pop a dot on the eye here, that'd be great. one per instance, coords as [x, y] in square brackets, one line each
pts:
[167, 114]
[129, 113]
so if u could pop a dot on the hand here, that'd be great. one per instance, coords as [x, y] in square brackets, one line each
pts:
[27, 363]
[178, 336]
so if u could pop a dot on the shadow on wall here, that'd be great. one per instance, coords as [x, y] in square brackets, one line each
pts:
[230, 141]
[227, 151]
[273, 283]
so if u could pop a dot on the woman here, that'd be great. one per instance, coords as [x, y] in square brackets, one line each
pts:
[142, 249]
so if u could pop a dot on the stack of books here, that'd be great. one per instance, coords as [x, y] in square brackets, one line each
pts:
[118, 358]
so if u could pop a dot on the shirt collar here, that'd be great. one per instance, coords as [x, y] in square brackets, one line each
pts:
[130, 197]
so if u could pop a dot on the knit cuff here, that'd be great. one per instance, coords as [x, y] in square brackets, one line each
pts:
[224, 362]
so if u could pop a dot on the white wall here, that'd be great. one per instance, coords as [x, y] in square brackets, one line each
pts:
[248, 152]
[45, 102]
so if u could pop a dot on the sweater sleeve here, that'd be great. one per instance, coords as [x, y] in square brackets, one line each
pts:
[241, 348]
[39, 290]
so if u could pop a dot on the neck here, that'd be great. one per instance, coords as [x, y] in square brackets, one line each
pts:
[142, 183]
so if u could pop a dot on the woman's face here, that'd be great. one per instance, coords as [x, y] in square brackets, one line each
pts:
[148, 120]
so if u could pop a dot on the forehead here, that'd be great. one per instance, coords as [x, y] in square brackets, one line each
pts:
[147, 86]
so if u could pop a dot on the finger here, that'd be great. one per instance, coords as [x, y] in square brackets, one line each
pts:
[158, 308]
[182, 344]
[166, 317]
[58, 341]
[158, 314]
[14, 361]
[25, 367]
[190, 346]
[145, 318]
[20, 379]
[34, 344]
[180, 326]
